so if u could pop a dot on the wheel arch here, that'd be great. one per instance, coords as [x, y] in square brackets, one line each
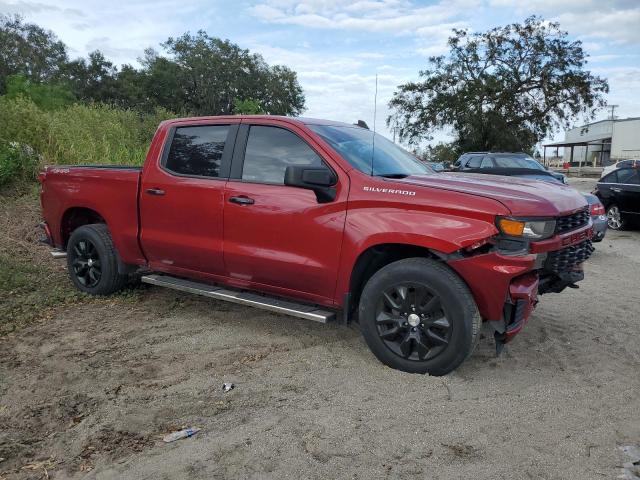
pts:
[377, 256]
[75, 217]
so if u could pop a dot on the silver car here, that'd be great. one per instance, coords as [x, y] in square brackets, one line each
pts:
[598, 217]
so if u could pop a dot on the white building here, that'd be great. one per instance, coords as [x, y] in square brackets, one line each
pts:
[598, 144]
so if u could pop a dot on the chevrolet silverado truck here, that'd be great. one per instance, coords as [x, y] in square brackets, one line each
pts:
[324, 221]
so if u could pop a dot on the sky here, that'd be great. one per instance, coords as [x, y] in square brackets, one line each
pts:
[338, 47]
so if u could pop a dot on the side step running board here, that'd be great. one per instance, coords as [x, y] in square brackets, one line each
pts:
[57, 253]
[300, 310]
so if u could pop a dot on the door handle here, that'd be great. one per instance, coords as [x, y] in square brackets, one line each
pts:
[155, 191]
[617, 190]
[242, 200]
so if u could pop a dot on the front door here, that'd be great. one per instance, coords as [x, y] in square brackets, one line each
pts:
[280, 238]
[182, 199]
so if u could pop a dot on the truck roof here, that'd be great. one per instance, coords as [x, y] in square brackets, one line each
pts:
[298, 120]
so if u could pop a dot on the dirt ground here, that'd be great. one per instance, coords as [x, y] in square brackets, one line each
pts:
[88, 389]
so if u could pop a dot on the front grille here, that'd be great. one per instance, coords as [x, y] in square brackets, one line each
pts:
[567, 258]
[573, 221]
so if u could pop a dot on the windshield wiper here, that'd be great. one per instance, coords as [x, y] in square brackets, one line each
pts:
[393, 175]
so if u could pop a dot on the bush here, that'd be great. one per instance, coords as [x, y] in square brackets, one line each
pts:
[18, 163]
[78, 134]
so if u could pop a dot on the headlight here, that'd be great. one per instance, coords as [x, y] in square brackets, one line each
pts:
[565, 180]
[534, 229]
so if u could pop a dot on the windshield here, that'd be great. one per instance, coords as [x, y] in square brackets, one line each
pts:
[355, 144]
[517, 162]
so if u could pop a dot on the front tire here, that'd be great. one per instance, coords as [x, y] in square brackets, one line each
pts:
[615, 221]
[418, 316]
[92, 261]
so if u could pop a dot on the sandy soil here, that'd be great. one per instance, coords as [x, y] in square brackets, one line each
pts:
[90, 391]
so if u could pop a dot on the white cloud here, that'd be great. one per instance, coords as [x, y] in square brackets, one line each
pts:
[335, 85]
[391, 16]
[616, 21]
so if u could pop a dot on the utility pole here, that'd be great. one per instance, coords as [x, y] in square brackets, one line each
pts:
[613, 109]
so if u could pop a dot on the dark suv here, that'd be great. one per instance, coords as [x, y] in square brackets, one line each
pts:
[504, 163]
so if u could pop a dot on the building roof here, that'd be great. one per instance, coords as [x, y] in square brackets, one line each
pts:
[593, 141]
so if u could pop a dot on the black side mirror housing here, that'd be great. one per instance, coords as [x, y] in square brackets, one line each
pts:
[319, 179]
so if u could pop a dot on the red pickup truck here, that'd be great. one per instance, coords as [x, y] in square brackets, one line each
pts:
[322, 220]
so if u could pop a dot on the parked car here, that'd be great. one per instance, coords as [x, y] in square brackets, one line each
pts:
[251, 209]
[598, 217]
[621, 164]
[518, 164]
[619, 192]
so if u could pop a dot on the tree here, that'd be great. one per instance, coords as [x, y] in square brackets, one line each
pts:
[92, 80]
[441, 152]
[212, 73]
[29, 50]
[47, 96]
[504, 89]
[247, 107]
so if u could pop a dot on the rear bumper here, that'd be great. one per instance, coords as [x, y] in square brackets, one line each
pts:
[599, 226]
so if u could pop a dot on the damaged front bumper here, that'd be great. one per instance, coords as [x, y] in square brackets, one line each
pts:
[506, 286]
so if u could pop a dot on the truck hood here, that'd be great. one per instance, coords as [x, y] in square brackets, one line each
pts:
[523, 197]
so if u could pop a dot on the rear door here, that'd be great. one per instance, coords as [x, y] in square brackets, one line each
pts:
[280, 238]
[182, 199]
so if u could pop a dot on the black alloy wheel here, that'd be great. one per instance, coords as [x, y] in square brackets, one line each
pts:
[411, 321]
[86, 263]
[417, 315]
[93, 262]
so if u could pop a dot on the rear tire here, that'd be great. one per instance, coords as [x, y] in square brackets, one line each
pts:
[418, 316]
[615, 220]
[92, 261]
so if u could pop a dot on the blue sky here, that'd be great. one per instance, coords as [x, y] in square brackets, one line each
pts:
[338, 47]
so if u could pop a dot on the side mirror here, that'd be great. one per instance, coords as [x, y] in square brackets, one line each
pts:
[319, 179]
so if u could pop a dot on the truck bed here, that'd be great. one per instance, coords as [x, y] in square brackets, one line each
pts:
[108, 191]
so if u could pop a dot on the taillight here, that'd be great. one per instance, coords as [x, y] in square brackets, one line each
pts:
[597, 209]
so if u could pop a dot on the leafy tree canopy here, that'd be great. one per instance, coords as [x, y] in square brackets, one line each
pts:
[194, 74]
[29, 50]
[504, 89]
[47, 96]
[214, 72]
[247, 107]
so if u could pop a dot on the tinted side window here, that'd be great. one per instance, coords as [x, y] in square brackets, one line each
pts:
[197, 150]
[270, 150]
[460, 161]
[611, 178]
[626, 175]
[474, 162]
[486, 163]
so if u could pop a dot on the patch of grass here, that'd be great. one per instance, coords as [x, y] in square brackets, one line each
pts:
[33, 286]
[31, 137]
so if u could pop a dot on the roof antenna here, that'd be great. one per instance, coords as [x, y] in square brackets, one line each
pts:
[373, 138]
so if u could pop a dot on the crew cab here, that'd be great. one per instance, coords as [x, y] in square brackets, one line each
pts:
[322, 220]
